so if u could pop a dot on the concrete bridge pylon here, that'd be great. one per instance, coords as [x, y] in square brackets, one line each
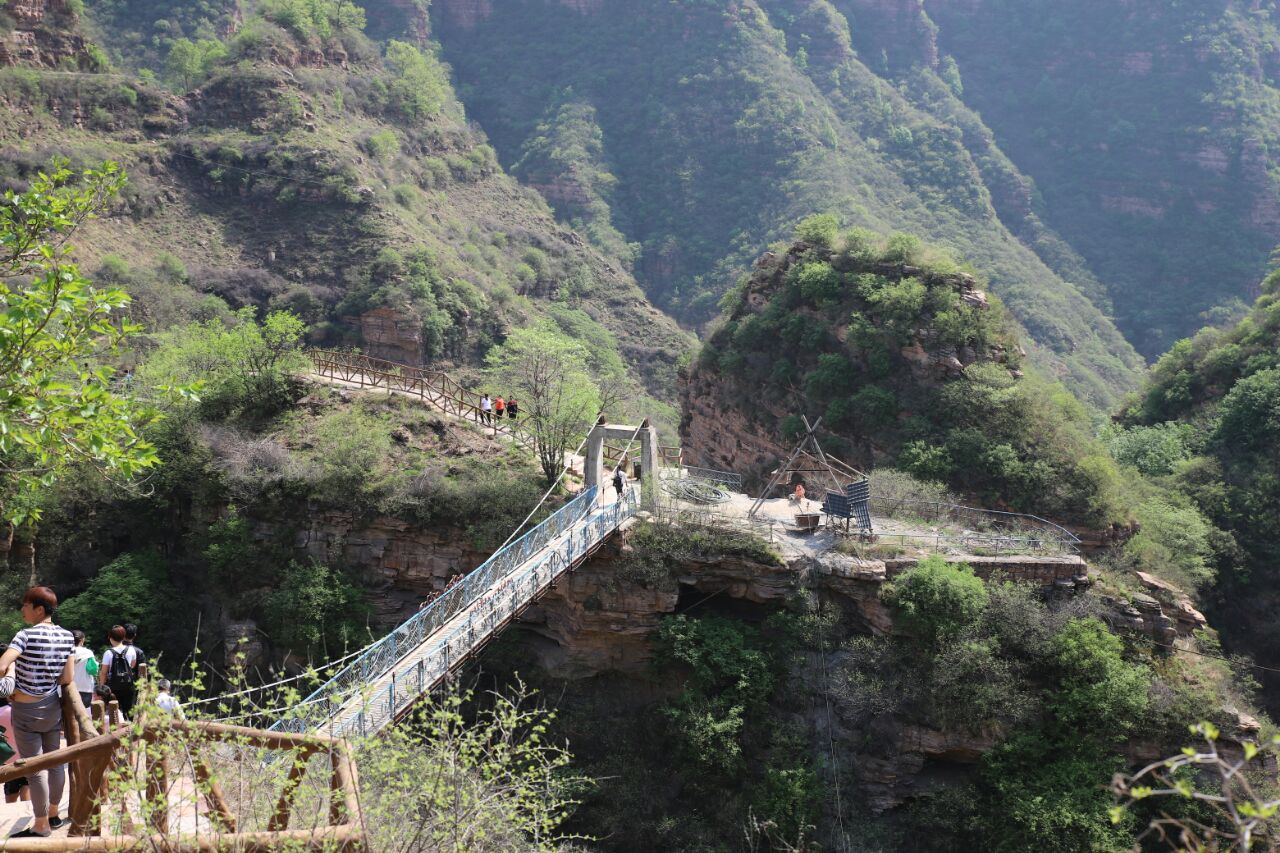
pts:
[595, 475]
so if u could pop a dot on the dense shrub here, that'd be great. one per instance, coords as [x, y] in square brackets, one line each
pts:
[1099, 689]
[314, 607]
[820, 229]
[419, 84]
[133, 588]
[246, 367]
[937, 599]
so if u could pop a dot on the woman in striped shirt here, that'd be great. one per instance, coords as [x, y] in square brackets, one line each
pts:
[42, 658]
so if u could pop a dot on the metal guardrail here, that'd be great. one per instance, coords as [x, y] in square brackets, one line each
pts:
[728, 479]
[970, 544]
[418, 655]
[1025, 527]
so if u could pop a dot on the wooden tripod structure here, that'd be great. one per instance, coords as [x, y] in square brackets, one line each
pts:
[824, 463]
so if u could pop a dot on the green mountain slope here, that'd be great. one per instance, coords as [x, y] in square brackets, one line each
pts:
[1208, 422]
[308, 170]
[1150, 129]
[724, 124]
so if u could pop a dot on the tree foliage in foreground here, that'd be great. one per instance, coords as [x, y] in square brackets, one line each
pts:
[57, 405]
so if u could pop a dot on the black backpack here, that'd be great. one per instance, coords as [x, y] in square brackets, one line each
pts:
[120, 676]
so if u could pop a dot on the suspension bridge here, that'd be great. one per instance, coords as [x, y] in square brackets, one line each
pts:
[384, 681]
[380, 684]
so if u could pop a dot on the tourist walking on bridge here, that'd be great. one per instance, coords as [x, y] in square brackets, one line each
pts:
[43, 660]
[513, 408]
[498, 406]
[139, 656]
[619, 481]
[486, 410]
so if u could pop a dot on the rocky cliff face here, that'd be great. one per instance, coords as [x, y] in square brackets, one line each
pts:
[44, 35]
[401, 564]
[392, 334]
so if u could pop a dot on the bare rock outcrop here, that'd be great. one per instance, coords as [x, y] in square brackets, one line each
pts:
[890, 769]
[401, 564]
[595, 623]
[394, 334]
[44, 35]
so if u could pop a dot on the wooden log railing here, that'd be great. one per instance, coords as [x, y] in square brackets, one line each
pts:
[434, 387]
[93, 758]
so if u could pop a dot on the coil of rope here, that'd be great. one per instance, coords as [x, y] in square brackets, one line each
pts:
[695, 491]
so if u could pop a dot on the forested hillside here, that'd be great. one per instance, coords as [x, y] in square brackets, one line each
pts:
[908, 361]
[1149, 128]
[705, 130]
[297, 164]
[1208, 422]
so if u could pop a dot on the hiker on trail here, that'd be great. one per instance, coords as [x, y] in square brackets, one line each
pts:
[498, 406]
[85, 668]
[42, 659]
[140, 657]
[118, 671]
[486, 410]
[619, 480]
[165, 701]
[513, 408]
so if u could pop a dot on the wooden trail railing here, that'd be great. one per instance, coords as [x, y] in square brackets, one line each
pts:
[434, 387]
[92, 759]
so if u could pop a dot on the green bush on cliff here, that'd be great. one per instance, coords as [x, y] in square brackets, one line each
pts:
[315, 608]
[419, 85]
[134, 587]
[308, 18]
[246, 367]
[938, 599]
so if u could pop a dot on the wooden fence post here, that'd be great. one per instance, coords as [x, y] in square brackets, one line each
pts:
[280, 820]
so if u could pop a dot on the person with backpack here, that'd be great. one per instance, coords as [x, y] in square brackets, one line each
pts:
[41, 656]
[619, 481]
[513, 408]
[85, 668]
[139, 656]
[117, 672]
